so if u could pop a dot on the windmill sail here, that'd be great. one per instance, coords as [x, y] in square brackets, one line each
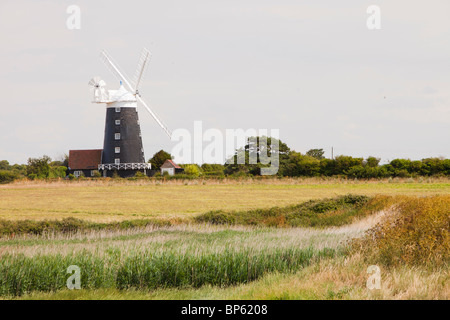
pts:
[141, 69]
[97, 86]
[161, 124]
[122, 77]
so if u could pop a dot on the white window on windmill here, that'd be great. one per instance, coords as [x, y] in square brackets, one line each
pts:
[78, 173]
[117, 136]
[117, 109]
[117, 149]
[117, 122]
[138, 122]
[117, 161]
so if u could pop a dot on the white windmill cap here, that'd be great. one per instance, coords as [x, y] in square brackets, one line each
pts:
[121, 94]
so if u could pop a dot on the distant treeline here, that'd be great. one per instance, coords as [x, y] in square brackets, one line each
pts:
[298, 165]
[314, 164]
[291, 164]
[36, 168]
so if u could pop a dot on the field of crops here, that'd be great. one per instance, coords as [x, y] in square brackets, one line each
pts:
[241, 240]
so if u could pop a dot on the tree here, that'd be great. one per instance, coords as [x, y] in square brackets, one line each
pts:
[159, 158]
[192, 170]
[39, 167]
[316, 153]
[373, 162]
[302, 165]
[4, 165]
[7, 176]
[256, 150]
[344, 163]
[212, 169]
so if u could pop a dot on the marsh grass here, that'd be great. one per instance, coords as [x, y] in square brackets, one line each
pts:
[338, 278]
[182, 256]
[149, 269]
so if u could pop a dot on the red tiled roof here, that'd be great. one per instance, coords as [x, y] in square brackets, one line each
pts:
[170, 164]
[85, 159]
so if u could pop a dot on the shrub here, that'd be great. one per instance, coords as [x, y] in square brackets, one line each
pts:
[97, 174]
[216, 217]
[116, 175]
[418, 233]
[139, 174]
[315, 213]
[70, 225]
[57, 172]
[7, 176]
[192, 170]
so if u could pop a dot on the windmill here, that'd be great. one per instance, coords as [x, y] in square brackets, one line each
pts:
[123, 151]
[97, 86]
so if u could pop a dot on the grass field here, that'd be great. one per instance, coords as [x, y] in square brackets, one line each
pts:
[183, 257]
[105, 201]
[278, 246]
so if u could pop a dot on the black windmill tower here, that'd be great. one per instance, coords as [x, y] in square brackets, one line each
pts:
[123, 152]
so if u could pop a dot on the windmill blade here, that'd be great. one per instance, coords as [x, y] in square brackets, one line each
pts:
[96, 82]
[121, 76]
[93, 81]
[161, 124]
[141, 69]
[115, 70]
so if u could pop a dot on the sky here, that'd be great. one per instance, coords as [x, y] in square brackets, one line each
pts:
[311, 69]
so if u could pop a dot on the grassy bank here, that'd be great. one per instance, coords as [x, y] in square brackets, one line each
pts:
[336, 211]
[416, 233]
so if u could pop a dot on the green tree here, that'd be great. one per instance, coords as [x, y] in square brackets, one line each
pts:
[7, 176]
[344, 163]
[316, 153]
[257, 150]
[372, 162]
[57, 172]
[192, 170]
[39, 167]
[433, 166]
[4, 165]
[159, 158]
[19, 169]
[301, 165]
[213, 169]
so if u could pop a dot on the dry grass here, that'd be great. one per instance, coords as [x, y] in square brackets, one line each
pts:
[109, 200]
[345, 278]
[417, 232]
[206, 238]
